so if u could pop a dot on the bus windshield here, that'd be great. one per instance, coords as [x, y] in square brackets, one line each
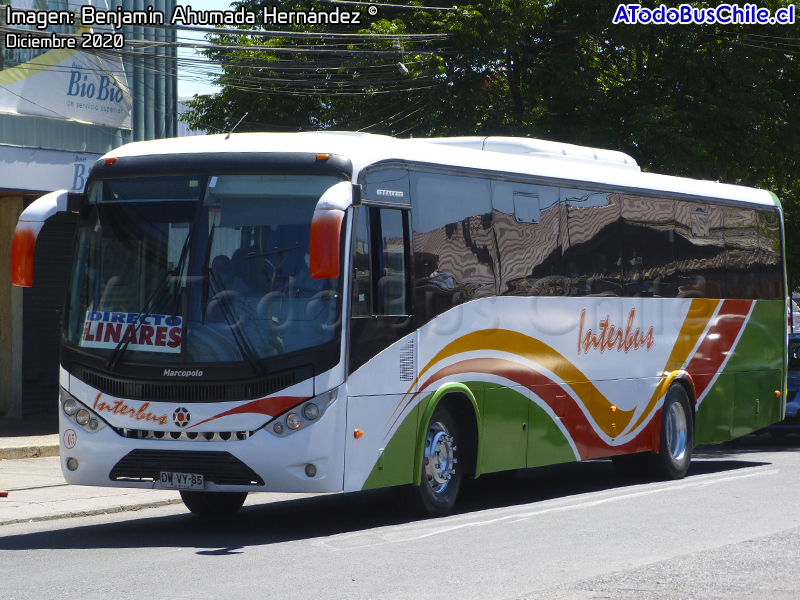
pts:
[199, 269]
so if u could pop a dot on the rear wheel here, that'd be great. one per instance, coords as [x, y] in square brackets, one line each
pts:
[441, 471]
[677, 436]
[213, 505]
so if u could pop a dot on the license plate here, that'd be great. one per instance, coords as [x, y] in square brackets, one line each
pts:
[181, 481]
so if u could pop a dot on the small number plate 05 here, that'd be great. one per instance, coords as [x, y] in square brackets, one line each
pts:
[181, 481]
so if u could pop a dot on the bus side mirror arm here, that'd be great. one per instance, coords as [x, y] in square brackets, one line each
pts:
[28, 227]
[326, 230]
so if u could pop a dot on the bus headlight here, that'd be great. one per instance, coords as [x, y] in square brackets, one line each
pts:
[80, 414]
[82, 417]
[293, 421]
[303, 415]
[311, 411]
[70, 407]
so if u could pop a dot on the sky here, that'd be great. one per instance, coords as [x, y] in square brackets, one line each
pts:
[191, 83]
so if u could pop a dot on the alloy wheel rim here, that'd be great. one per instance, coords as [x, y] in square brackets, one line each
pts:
[440, 457]
[677, 431]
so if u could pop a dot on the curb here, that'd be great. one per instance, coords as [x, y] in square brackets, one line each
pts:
[91, 513]
[35, 451]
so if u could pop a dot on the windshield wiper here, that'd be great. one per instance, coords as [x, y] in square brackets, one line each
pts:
[155, 298]
[242, 341]
[206, 275]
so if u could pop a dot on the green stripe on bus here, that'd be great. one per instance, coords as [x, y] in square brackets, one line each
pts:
[742, 399]
[504, 444]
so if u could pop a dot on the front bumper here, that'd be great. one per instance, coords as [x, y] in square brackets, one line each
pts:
[262, 462]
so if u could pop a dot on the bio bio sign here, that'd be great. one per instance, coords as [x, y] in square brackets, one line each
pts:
[82, 87]
[59, 82]
[151, 333]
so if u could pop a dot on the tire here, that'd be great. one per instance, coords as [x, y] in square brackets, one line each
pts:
[213, 505]
[441, 472]
[677, 436]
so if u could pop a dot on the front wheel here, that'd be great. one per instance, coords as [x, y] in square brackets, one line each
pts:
[213, 505]
[677, 436]
[441, 471]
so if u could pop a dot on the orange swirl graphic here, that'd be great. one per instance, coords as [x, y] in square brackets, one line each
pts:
[609, 419]
[700, 312]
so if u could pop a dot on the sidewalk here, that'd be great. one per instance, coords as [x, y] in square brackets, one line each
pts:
[30, 471]
[28, 438]
[37, 492]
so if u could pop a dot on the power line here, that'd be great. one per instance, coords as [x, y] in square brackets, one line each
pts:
[145, 44]
[327, 65]
[311, 76]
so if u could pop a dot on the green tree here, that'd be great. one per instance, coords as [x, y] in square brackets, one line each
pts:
[714, 102]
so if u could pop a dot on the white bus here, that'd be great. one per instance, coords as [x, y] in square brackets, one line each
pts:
[327, 312]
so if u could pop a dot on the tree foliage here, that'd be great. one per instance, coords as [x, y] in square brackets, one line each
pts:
[714, 102]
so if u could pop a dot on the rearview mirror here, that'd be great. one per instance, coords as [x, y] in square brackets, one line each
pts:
[326, 229]
[28, 227]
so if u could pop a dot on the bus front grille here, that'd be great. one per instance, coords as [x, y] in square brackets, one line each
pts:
[189, 392]
[221, 468]
[183, 436]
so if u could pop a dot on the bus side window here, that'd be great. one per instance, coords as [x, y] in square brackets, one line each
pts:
[592, 243]
[389, 228]
[700, 250]
[648, 234]
[743, 272]
[526, 222]
[361, 282]
[455, 255]
[769, 242]
[380, 262]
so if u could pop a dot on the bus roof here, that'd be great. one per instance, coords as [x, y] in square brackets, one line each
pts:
[515, 156]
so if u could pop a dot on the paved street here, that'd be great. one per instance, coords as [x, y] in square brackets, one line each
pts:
[729, 530]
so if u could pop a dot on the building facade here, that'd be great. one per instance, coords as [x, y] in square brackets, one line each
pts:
[59, 112]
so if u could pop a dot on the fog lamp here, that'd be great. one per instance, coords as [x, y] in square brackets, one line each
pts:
[72, 464]
[293, 421]
[311, 470]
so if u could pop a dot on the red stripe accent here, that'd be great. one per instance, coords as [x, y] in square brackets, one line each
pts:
[713, 351]
[588, 443]
[270, 407]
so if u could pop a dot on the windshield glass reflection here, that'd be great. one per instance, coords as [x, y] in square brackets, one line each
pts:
[200, 269]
